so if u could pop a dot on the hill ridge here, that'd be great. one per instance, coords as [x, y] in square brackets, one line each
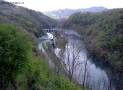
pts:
[65, 13]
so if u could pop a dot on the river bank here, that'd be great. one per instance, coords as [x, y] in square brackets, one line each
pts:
[53, 61]
[55, 56]
[103, 34]
[95, 52]
[100, 76]
[114, 77]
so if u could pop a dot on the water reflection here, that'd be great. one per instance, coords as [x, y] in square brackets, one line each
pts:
[115, 77]
[99, 76]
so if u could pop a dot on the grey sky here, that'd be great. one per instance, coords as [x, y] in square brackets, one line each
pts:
[48, 5]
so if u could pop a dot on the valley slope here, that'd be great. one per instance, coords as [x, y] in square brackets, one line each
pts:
[103, 34]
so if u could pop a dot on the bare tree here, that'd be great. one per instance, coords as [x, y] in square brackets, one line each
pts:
[72, 63]
[86, 72]
[86, 77]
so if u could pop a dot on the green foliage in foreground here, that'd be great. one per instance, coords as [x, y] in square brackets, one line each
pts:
[103, 33]
[14, 49]
[21, 69]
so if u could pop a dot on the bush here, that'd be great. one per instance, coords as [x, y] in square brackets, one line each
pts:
[14, 47]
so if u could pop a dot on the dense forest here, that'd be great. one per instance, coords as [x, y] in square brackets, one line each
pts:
[103, 34]
[23, 65]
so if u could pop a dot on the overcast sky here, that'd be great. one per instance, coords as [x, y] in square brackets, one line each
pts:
[48, 5]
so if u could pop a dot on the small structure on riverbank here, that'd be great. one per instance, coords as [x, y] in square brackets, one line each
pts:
[52, 41]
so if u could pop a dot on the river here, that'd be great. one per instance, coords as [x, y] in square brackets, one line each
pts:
[98, 75]
[95, 74]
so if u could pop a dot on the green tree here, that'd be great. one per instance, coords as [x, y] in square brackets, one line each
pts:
[14, 48]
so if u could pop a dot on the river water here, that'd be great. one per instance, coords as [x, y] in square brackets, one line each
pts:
[95, 74]
[98, 76]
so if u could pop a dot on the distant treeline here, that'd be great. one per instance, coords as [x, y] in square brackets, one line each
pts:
[103, 34]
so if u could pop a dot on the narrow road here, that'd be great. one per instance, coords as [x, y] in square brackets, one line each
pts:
[51, 64]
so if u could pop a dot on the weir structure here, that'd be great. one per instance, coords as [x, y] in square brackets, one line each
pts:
[62, 31]
[50, 30]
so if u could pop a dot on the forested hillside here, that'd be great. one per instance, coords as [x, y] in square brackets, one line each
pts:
[28, 19]
[24, 69]
[103, 34]
[23, 65]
